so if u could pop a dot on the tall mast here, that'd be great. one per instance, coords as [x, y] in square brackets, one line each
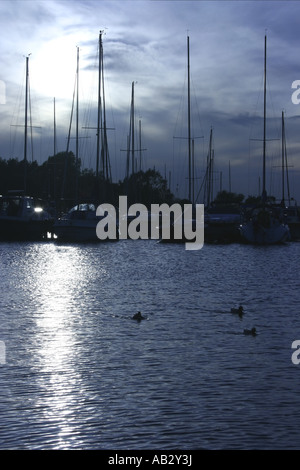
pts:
[132, 127]
[282, 155]
[26, 124]
[54, 128]
[210, 163]
[99, 125]
[54, 150]
[264, 194]
[140, 142]
[284, 165]
[77, 124]
[102, 145]
[189, 115]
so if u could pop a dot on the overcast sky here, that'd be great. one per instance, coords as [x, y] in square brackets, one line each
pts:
[146, 42]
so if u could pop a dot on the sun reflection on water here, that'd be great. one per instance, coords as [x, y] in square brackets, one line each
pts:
[60, 280]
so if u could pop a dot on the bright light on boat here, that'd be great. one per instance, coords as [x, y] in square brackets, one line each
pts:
[38, 209]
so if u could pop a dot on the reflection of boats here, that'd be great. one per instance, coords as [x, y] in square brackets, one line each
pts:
[222, 223]
[78, 225]
[262, 225]
[23, 218]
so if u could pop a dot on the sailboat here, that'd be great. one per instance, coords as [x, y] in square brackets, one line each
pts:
[291, 212]
[222, 219]
[191, 197]
[80, 222]
[23, 217]
[263, 226]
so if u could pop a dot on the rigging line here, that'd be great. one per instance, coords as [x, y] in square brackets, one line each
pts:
[17, 112]
[68, 144]
[30, 119]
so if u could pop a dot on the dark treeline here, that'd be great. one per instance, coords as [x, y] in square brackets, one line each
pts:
[60, 180]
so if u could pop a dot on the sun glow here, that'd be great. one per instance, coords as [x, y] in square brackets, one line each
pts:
[54, 68]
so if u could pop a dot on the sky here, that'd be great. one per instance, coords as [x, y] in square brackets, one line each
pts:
[145, 42]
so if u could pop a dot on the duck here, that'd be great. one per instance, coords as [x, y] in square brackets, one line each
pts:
[250, 332]
[239, 311]
[138, 316]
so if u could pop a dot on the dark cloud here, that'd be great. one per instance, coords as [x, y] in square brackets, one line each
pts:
[145, 42]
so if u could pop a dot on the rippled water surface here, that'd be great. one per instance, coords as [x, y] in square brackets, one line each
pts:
[81, 374]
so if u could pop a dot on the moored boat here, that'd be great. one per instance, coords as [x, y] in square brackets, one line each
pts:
[78, 225]
[263, 226]
[23, 218]
[222, 224]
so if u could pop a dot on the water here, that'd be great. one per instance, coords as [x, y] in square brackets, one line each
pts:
[81, 374]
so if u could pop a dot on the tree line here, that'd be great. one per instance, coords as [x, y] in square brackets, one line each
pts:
[60, 180]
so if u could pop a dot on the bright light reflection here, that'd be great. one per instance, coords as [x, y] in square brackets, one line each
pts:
[59, 279]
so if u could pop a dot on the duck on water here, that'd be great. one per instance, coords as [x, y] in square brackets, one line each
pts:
[239, 311]
[251, 332]
[138, 316]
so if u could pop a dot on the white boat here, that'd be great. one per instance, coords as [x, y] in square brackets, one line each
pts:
[293, 221]
[78, 225]
[263, 226]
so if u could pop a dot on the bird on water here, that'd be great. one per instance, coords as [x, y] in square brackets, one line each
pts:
[138, 316]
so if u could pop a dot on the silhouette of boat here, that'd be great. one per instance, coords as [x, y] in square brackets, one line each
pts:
[23, 217]
[222, 223]
[78, 225]
[263, 226]
[80, 222]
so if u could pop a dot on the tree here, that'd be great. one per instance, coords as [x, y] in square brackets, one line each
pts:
[227, 197]
[146, 188]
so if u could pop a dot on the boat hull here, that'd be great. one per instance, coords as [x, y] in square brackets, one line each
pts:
[260, 235]
[31, 230]
[79, 225]
[75, 231]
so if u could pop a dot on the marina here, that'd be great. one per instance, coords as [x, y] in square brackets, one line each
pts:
[149, 270]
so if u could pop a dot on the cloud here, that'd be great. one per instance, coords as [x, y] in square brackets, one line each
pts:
[146, 42]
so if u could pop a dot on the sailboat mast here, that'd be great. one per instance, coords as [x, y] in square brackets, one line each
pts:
[99, 103]
[265, 115]
[189, 115]
[77, 104]
[54, 128]
[282, 155]
[77, 123]
[132, 127]
[54, 150]
[140, 144]
[26, 124]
